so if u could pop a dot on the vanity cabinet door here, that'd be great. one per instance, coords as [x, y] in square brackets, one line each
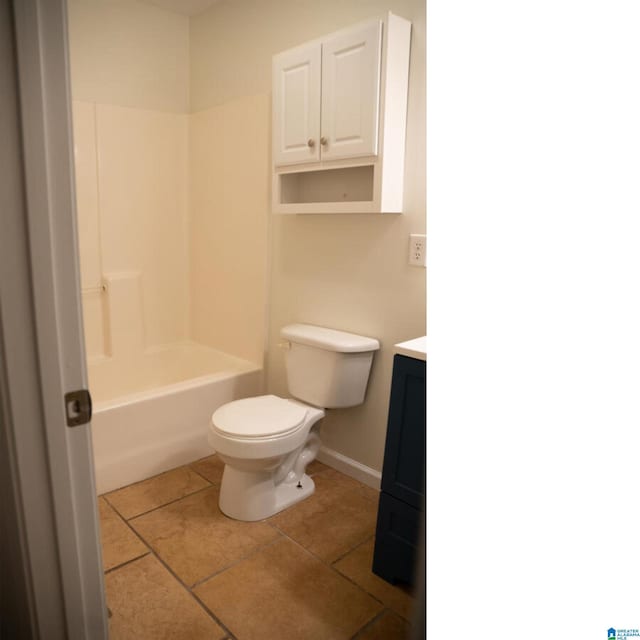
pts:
[401, 506]
[403, 469]
[397, 540]
[351, 92]
[296, 105]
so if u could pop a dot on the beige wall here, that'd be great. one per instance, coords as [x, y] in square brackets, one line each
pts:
[232, 43]
[348, 272]
[129, 54]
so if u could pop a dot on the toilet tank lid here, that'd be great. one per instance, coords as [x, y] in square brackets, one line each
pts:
[328, 339]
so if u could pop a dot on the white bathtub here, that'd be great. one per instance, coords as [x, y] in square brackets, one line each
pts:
[151, 412]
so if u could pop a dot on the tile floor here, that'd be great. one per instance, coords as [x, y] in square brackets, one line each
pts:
[177, 568]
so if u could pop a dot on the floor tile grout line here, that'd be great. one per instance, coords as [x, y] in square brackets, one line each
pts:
[298, 544]
[322, 560]
[368, 624]
[190, 589]
[155, 475]
[194, 596]
[385, 607]
[350, 579]
[166, 504]
[155, 553]
[230, 635]
[376, 598]
[329, 563]
[135, 533]
[262, 547]
[356, 546]
[311, 553]
[186, 587]
[339, 573]
[216, 483]
[124, 564]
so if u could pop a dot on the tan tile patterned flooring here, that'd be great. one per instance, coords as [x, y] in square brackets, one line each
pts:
[177, 568]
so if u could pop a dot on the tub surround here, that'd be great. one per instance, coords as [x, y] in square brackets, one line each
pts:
[132, 211]
[154, 386]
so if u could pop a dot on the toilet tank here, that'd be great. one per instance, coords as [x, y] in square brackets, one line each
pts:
[325, 367]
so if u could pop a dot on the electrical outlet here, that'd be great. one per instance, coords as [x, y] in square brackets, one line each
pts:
[418, 250]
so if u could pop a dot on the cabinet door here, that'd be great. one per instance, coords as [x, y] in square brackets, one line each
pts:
[351, 92]
[397, 539]
[296, 105]
[403, 467]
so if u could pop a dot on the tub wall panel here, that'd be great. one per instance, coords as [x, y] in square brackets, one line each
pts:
[229, 174]
[96, 334]
[142, 165]
[84, 138]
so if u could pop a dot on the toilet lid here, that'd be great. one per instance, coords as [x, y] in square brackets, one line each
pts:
[258, 417]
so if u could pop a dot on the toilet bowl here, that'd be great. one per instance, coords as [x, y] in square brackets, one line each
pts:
[266, 442]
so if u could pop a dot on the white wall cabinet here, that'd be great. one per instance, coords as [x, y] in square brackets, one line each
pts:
[333, 113]
[296, 105]
[339, 120]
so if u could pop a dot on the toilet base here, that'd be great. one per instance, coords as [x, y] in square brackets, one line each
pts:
[251, 495]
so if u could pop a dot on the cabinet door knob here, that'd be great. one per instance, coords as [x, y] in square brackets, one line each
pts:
[323, 141]
[311, 143]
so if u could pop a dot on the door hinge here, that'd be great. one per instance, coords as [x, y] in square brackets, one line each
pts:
[78, 407]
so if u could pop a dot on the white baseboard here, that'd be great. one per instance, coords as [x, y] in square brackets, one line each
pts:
[350, 467]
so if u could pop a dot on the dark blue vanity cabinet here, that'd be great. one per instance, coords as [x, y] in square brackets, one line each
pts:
[401, 506]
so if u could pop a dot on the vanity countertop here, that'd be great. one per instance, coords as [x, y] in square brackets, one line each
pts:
[416, 348]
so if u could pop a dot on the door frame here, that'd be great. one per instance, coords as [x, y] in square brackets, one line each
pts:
[41, 340]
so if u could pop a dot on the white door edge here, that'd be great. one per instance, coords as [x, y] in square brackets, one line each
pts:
[53, 274]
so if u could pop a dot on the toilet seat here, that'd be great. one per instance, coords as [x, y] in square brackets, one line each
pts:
[259, 418]
[265, 443]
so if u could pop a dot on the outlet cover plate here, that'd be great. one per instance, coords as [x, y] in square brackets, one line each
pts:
[417, 250]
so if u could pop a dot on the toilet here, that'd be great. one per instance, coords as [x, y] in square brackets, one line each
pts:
[266, 442]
